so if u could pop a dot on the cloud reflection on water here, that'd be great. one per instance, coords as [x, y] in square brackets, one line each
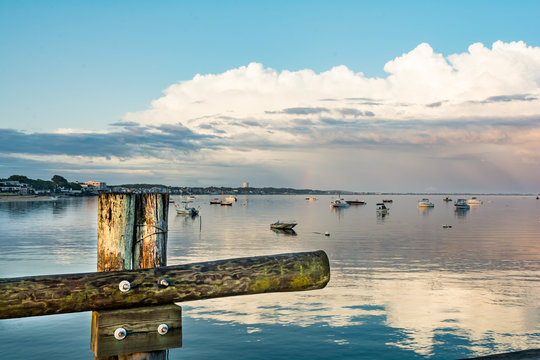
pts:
[497, 310]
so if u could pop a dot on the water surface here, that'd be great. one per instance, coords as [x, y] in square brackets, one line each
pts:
[402, 286]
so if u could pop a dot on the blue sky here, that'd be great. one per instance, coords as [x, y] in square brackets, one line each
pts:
[85, 66]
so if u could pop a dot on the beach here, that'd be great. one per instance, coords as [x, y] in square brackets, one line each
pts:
[8, 198]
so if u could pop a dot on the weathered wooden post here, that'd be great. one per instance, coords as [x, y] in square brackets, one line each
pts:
[133, 280]
[132, 234]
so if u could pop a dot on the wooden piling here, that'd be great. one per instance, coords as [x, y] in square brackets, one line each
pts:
[132, 234]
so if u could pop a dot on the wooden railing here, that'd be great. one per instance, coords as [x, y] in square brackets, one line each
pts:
[133, 292]
[58, 294]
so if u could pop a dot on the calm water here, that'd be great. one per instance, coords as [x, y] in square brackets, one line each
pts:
[402, 287]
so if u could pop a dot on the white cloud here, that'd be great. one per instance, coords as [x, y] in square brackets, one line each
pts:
[480, 104]
[461, 82]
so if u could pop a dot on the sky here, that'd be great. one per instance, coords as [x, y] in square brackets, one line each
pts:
[391, 96]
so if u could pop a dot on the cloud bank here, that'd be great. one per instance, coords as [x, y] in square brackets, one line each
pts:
[481, 107]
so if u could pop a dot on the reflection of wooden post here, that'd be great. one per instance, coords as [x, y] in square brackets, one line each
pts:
[132, 234]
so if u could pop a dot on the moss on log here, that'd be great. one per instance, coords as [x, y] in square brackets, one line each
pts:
[57, 294]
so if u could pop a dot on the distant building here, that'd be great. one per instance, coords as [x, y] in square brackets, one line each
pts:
[16, 187]
[97, 184]
[245, 185]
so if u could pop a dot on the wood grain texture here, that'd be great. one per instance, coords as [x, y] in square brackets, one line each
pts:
[116, 231]
[56, 294]
[132, 234]
[141, 325]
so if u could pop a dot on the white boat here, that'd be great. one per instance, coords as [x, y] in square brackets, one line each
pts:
[231, 198]
[425, 203]
[461, 204]
[283, 225]
[311, 199]
[186, 210]
[474, 201]
[339, 203]
[381, 208]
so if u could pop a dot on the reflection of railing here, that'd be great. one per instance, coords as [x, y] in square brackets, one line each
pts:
[132, 234]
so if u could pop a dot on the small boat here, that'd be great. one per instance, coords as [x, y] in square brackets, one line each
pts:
[381, 208]
[283, 225]
[191, 197]
[355, 202]
[474, 201]
[447, 199]
[461, 204]
[387, 201]
[311, 199]
[231, 198]
[186, 210]
[425, 203]
[339, 203]
[171, 201]
[226, 203]
[446, 226]
[215, 201]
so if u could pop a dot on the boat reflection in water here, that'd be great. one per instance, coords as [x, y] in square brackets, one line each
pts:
[401, 287]
[289, 232]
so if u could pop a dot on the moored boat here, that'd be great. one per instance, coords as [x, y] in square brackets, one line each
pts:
[474, 201]
[355, 202]
[447, 199]
[388, 201]
[425, 203]
[381, 208]
[283, 225]
[339, 203]
[461, 204]
[186, 210]
[215, 201]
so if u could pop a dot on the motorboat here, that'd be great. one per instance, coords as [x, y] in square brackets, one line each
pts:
[215, 201]
[283, 225]
[381, 208]
[339, 203]
[355, 202]
[226, 203]
[474, 201]
[191, 197]
[186, 210]
[425, 203]
[447, 199]
[311, 199]
[231, 198]
[388, 201]
[461, 204]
